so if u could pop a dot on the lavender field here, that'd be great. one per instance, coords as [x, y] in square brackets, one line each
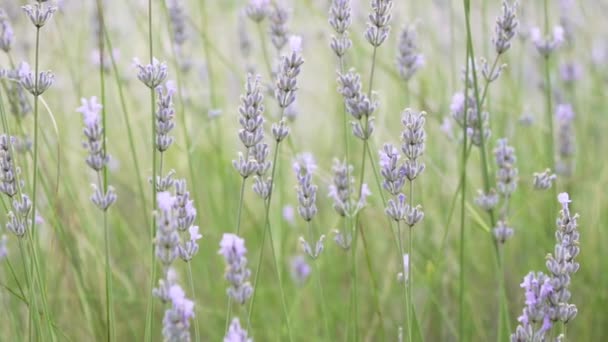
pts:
[303, 170]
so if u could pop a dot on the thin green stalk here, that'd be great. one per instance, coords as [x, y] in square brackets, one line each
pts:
[103, 183]
[150, 306]
[241, 200]
[319, 285]
[34, 251]
[355, 285]
[550, 151]
[410, 304]
[196, 328]
[35, 245]
[484, 163]
[463, 182]
[34, 320]
[404, 286]
[268, 229]
[123, 104]
[356, 221]
[471, 61]
[182, 114]
[264, 49]
[238, 229]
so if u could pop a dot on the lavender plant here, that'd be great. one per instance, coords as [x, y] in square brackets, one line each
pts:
[37, 83]
[544, 180]
[104, 195]
[409, 60]
[279, 32]
[7, 36]
[564, 115]
[285, 94]
[548, 296]
[233, 249]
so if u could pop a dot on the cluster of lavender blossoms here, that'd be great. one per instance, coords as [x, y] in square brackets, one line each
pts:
[304, 167]
[178, 17]
[176, 321]
[17, 97]
[39, 14]
[97, 159]
[7, 36]
[251, 134]
[506, 27]
[358, 104]
[300, 269]
[176, 234]
[544, 180]
[175, 215]
[279, 32]
[507, 176]
[548, 296]
[12, 186]
[232, 248]
[378, 26]
[564, 114]
[340, 20]
[396, 173]
[546, 45]
[258, 10]
[236, 333]
[409, 60]
[344, 203]
[465, 112]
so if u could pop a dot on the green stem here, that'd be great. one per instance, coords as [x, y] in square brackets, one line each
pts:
[264, 50]
[34, 320]
[196, 328]
[103, 183]
[238, 229]
[410, 304]
[404, 285]
[123, 104]
[150, 306]
[267, 228]
[33, 241]
[463, 182]
[319, 284]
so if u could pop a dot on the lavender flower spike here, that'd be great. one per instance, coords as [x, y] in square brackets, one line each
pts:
[409, 61]
[3, 247]
[506, 26]
[340, 20]
[7, 35]
[28, 80]
[9, 183]
[236, 333]
[164, 116]
[176, 322]
[544, 180]
[232, 248]
[547, 45]
[258, 10]
[152, 75]
[378, 26]
[300, 269]
[167, 238]
[93, 131]
[278, 26]
[39, 13]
